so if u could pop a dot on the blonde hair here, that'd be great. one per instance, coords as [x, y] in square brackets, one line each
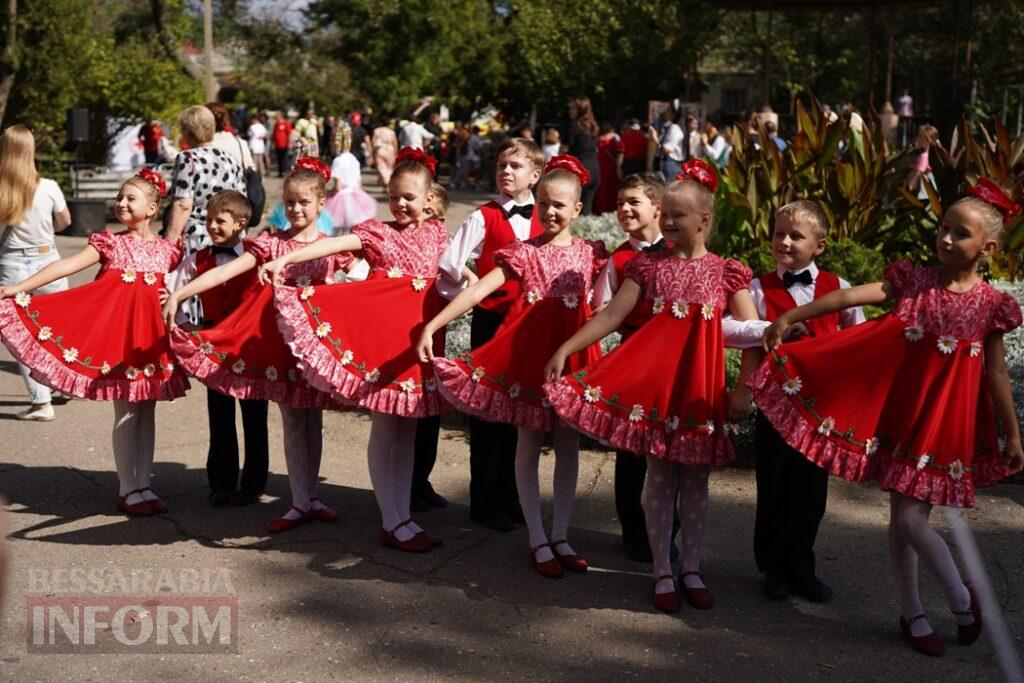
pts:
[528, 149]
[307, 176]
[151, 191]
[808, 211]
[560, 176]
[197, 125]
[704, 197]
[18, 176]
[439, 207]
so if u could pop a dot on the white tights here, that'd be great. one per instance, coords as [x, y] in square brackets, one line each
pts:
[911, 537]
[133, 436]
[303, 448]
[389, 456]
[567, 446]
[668, 482]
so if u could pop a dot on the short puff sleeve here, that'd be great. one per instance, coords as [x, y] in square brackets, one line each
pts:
[373, 235]
[735, 276]
[103, 242]
[639, 269]
[341, 260]
[1007, 315]
[259, 247]
[900, 275]
[513, 258]
[601, 256]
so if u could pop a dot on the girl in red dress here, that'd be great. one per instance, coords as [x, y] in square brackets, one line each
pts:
[904, 400]
[356, 340]
[501, 380]
[105, 340]
[608, 150]
[661, 394]
[245, 356]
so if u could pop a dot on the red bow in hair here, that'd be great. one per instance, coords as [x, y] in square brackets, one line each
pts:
[315, 165]
[990, 193]
[151, 176]
[570, 164]
[702, 172]
[419, 156]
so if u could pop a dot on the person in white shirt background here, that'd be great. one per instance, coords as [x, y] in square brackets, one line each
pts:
[258, 142]
[669, 139]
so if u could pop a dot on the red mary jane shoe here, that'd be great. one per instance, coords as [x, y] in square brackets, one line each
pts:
[156, 505]
[570, 563]
[700, 598]
[284, 524]
[929, 644]
[134, 509]
[416, 544]
[550, 568]
[324, 514]
[967, 634]
[666, 602]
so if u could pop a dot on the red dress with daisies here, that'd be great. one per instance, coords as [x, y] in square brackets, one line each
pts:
[501, 381]
[244, 355]
[662, 392]
[105, 340]
[902, 399]
[356, 340]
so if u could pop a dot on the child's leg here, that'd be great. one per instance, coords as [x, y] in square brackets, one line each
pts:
[528, 448]
[257, 457]
[145, 431]
[567, 460]
[383, 435]
[912, 522]
[126, 446]
[314, 452]
[904, 569]
[660, 494]
[296, 457]
[403, 461]
[693, 514]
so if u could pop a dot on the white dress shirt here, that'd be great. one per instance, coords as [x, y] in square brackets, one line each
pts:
[468, 243]
[672, 142]
[186, 272]
[415, 135]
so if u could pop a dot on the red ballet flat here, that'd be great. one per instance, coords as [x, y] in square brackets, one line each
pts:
[552, 568]
[324, 514]
[434, 541]
[156, 505]
[929, 644]
[284, 524]
[570, 563]
[416, 544]
[700, 598]
[666, 602]
[134, 509]
[968, 633]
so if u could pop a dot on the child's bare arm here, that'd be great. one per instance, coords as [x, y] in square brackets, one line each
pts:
[1002, 398]
[55, 271]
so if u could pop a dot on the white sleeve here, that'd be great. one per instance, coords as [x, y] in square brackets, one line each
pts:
[672, 143]
[466, 244]
[606, 285]
[850, 317]
[178, 278]
[427, 135]
[757, 294]
[53, 191]
[746, 334]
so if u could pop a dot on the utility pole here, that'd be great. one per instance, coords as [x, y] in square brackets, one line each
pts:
[210, 82]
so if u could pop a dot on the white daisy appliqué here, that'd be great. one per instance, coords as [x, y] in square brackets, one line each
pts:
[975, 349]
[303, 281]
[239, 367]
[131, 373]
[149, 370]
[169, 368]
[105, 368]
[44, 333]
[22, 299]
[346, 357]
[128, 276]
[922, 461]
[70, 355]
[407, 385]
[394, 273]
[477, 375]
[323, 329]
[592, 394]
[913, 333]
[372, 376]
[657, 305]
[672, 424]
[709, 427]
[307, 292]
[532, 297]
[871, 446]
[680, 309]
[947, 344]
[514, 390]
[571, 300]
[150, 279]
[271, 373]
[419, 284]
[637, 413]
[206, 347]
[707, 311]
[956, 470]
[827, 425]
[792, 386]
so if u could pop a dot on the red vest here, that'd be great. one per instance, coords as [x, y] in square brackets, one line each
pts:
[220, 301]
[777, 300]
[622, 255]
[498, 233]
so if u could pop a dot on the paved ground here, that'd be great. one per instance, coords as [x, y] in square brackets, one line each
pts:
[327, 601]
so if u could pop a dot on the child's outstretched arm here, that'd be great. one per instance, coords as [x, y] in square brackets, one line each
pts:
[873, 293]
[1002, 397]
[742, 307]
[208, 280]
[55, 271]
[604, 322]
[467, 299]
[312, 251]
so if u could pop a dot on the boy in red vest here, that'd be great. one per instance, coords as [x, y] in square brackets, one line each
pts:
[792, 491]
[227, 215]
[493, 499]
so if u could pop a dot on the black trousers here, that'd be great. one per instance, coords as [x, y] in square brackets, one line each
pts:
[492, 446]
[428, 429]
[630, 476]
[791, 496]
[222, 458]
[282, 160]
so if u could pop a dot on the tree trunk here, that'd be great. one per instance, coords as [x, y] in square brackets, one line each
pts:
[7, 64]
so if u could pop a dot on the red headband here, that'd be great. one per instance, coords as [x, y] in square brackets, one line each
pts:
[417, 155]
[990, 193]
[700, 171]
[151, 176]
[571, 164]
[315, 165]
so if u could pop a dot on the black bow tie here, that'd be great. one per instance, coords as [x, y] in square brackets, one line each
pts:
[216, 249]
[525, 210]
[660, 245]
[789, 279]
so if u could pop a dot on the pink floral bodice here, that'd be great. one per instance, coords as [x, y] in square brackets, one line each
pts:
[922, 301]
[124, 251]
[551, 271]
[269, 246]
[403, 251]
[710, 279]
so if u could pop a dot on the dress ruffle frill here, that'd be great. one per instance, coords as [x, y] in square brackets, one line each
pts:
[455, 380]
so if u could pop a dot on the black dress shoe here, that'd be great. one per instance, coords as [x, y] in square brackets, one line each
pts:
[219, 499]
[514, 513]
[775, 586]
[810, 588]
[417, 504]
[434, 499]
[495, 520]
[638, 552]
[242, 498]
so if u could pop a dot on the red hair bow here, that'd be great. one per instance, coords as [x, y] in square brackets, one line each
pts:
[151, 176]
[571, 164]
[990, 193]
[417, 155]
[700, 171]
[315, 165]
